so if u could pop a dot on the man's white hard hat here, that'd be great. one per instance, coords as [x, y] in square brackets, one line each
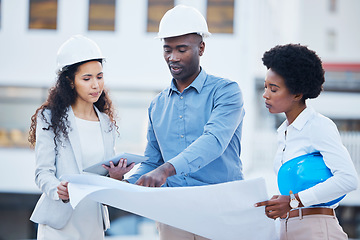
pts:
[77, 49]
[182, 20]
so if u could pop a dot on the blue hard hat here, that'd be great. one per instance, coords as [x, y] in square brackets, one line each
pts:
[304, 172]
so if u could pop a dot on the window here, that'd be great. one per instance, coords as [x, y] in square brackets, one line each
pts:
[102, 15]
[156, 10]
[220, 16]
[348, 125]
[332, 6]
[43, 14]
[20, 104]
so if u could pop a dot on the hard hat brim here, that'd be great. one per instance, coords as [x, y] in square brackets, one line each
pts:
[204, 35]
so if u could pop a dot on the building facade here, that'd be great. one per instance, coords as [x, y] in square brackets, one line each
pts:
[31, 31]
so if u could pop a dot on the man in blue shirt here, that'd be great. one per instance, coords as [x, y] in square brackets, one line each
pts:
[195, 125]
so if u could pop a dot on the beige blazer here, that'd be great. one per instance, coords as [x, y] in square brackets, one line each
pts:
[50, 210]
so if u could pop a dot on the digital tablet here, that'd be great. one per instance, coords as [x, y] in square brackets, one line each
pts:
[99, 169]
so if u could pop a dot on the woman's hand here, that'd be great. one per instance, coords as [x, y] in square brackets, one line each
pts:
[118, 172]
[277, 206]
[63, 191]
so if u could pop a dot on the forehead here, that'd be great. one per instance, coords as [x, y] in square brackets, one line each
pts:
[92, 65]
[182, 40]
[274, 78]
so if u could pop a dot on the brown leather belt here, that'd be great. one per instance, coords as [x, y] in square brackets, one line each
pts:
[311, 211]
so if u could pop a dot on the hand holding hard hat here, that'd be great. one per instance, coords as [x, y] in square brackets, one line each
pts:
[304, 172]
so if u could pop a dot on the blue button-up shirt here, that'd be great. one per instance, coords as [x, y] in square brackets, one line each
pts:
[198, 131]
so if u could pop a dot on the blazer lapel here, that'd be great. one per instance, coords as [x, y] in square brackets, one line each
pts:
[74, 139]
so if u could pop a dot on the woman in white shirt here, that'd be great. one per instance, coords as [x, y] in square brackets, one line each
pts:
[295, 74]
[75, 128]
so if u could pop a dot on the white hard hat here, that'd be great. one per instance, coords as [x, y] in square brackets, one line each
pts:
[182, 20]
[77, 49]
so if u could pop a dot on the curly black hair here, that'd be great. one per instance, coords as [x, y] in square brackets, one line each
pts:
[300, 67]
[60, 97]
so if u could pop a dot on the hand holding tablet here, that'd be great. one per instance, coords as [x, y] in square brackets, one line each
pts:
[99, 169]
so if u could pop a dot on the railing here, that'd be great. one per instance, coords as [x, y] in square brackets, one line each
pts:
[351, 140]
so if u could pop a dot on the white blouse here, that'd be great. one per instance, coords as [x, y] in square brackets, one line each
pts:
[313, 132]
[92, 146]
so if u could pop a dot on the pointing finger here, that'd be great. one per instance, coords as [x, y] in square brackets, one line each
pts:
[259, 204]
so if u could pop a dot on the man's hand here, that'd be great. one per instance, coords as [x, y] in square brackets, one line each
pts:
[157, 177]
[277, 206]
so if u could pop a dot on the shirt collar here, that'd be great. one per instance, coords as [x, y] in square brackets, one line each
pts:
[197, 84]
[300, 120]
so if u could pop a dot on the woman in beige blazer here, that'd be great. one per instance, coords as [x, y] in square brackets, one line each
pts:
[72, 130]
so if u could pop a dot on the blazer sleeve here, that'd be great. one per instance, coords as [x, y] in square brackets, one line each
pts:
[45, 171]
